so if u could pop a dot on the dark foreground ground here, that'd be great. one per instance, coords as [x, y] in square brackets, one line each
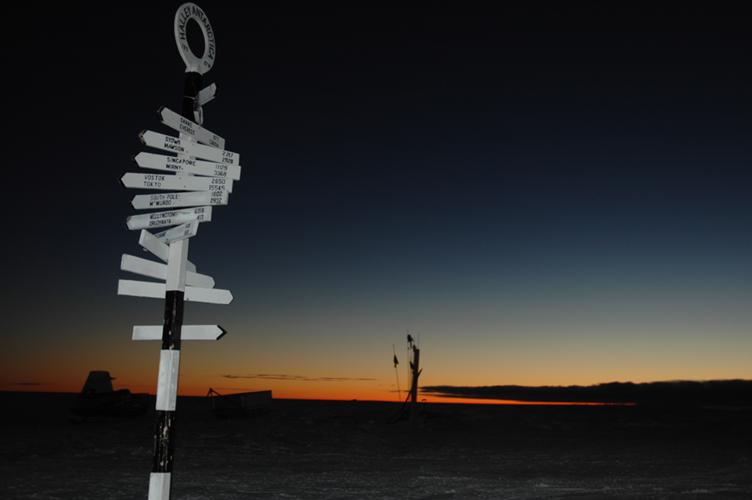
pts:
[319, 449]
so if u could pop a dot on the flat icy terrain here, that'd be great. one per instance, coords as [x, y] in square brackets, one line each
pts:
[310, 449]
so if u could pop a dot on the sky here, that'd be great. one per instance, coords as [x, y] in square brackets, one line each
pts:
[543, 196]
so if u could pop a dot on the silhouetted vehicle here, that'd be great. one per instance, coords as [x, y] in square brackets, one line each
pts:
[243, 404]
[98, 399]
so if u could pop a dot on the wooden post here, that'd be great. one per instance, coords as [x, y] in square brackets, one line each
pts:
[415, 369]
[416, 374]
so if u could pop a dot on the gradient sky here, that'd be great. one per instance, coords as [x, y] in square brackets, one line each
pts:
[546, 197]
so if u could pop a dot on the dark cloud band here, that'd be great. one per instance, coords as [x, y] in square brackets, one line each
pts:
[300, 378]
[688, 392]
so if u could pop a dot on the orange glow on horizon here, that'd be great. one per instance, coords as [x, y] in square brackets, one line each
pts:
[516, 402]
[375, 397]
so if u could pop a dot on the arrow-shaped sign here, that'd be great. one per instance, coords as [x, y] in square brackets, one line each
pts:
[176, 145]
[177, 233]
[145, 267]
[186, 126]
[160, 250]
[164, 181]
[187, 332]
[175, 200]
[189, 165]
[207, 295]
[157, 291]
[169, 218]
[207, 94]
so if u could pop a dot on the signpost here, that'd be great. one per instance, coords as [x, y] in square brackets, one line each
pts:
[169, 218]
[191, 199]
[185, 146]
[179, 182]
[153, 244]
[189, 332]
[204, 171]
[188, 127]
[181, 232]
[188, 165]
[207, 94]
[157, 270]
[151, 289]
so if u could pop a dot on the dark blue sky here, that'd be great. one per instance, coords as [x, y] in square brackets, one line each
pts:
[528, 189]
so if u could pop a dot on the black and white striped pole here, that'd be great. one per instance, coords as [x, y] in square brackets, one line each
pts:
[203, 176]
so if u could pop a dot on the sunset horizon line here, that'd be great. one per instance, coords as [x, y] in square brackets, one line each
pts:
[600, 394]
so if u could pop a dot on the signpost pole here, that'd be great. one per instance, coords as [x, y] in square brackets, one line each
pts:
[169, 359]
[169, 370]
[215, 172]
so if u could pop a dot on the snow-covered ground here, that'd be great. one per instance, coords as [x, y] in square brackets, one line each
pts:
[309, 449]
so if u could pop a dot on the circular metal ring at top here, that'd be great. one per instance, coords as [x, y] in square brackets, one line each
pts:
[194, 63]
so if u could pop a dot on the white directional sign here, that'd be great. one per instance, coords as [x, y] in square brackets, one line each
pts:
[169, 218]
[177, 233]
[176, 145]
[188, 127]
[159, 249]
[141, 289]
[157, 291]
[144, 267]
[207, 94]
[208, 295]
[157, 270]
[188, 165]
[175, 200]
[165, 181]
[188, 332]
